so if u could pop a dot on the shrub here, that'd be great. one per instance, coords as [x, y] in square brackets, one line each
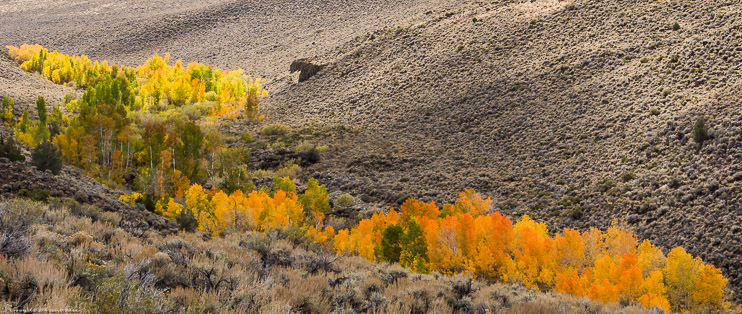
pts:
[16, 218]
[85, 210]
[186, 220]
[309, 156]
[574, 213]
[290, 170]
[700, 133]
[305, 146]
[6, 112]
[628, 176]
[324, 261]
[10, 150]
[345, 200]
[279, 255]
[676, 26]
[246, 137]
[275, 129]
[67, 98]
[654, 111]
[210, 96]
[38, 195]
[120, 295]
[47, 157]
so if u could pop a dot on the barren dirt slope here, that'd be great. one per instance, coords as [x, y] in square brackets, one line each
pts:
[577, 112]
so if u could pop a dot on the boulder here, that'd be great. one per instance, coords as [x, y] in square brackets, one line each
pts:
[306, 67]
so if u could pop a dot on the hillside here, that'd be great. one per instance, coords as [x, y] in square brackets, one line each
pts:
[262, 37]
[577, 113]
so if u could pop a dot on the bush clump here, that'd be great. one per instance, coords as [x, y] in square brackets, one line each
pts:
[47, 157]
[346, 200]
[10, 150]
[16, 218]
[275, 129]
[700, 133]
[38, 195]
[628, 176]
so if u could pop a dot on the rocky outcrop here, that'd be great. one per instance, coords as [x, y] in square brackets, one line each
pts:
[306, 67]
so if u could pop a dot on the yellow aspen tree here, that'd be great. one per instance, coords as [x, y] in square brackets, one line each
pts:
[570, 249]
[224, 212]
[709, 288]
[500, 240]
[414, 208]
[444, 249]
[471, 202]
[173, 209]
[650, 258]
[603, 291]
[256, 206]
[620, 241]
[629, 276]
[568, 281]
[654, 291]
[680, 275]
[341, 242]
[364, 238]
[533, 253]
[593, 240]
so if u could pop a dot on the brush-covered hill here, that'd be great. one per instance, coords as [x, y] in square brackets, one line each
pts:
[577, 112]
[262, 37]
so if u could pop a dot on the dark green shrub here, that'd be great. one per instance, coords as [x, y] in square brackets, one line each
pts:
[574, 213]
[186, 220]
[149, 202]
[310, 156]
[628, 176]
[700, 133]
[676, 26]
[46, 156]
[38, 195]
[10, 150]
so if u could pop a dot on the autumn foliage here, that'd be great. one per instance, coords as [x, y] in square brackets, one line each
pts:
[466, 237]
[151, 84]
[141, 126]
